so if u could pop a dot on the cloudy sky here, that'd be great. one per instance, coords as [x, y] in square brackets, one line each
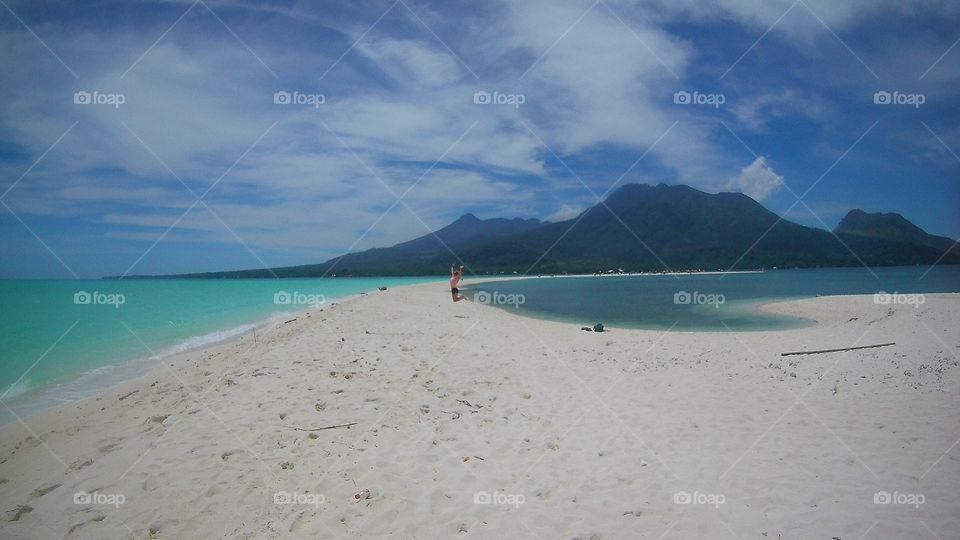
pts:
[161, 137]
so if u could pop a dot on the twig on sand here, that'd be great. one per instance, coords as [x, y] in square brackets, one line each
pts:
[468, 404]
[325, 427]
[290, 321]
[839, 350]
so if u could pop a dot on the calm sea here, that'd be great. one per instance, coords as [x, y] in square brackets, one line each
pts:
[67, 340]
[703, 301]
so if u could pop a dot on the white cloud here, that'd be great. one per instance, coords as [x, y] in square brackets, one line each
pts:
[565, 212]
[757, 110]
[399, 100]
[756, 180]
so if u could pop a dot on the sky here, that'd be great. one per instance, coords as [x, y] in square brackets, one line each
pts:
[180, 136]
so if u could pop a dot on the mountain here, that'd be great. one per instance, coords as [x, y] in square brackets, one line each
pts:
[893, 227]
[430, 250]
[426, 255]
[644, 228]
[889, 239]
[654, 228]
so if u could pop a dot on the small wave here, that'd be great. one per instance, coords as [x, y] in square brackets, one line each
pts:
[27, 400]
[197, 342]
[16, 388]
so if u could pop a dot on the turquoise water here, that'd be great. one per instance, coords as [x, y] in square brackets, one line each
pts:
[60, 348]
[713, 302]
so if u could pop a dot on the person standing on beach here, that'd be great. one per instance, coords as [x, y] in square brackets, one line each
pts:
[455, 277]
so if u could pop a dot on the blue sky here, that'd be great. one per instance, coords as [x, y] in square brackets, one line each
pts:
[186, 159]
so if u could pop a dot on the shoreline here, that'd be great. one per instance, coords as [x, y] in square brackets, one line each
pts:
[427, 405]
[72, 390]
[35, 401]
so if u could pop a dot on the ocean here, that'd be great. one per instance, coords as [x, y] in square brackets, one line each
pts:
[67, 340]
[703, 302]
[70, 339]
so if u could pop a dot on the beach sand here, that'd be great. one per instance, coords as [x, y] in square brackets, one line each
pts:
[469, 421]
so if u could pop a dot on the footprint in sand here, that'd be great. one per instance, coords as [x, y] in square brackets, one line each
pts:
[18, 512]
[111, 445]
[43, 491]
[79, 465]
[95, 519]
[226, 455]
[299, 522]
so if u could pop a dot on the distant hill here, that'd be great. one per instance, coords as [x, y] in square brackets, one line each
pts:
[891, 227]
[643, 228]
[425, 255]
[652, 228]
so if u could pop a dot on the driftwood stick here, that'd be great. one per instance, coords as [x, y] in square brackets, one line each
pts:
[325, 427]
[468, 404]
[839, 350]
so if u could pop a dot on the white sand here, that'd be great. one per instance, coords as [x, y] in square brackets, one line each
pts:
[595, 434]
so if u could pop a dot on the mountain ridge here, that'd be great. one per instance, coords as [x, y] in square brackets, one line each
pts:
[640, 227]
